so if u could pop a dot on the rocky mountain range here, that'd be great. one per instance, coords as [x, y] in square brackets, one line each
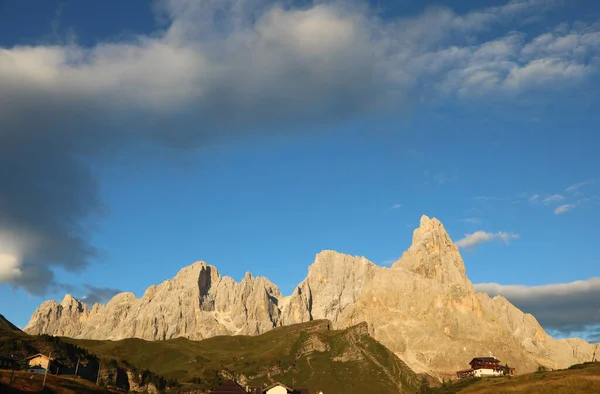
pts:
[423, 308]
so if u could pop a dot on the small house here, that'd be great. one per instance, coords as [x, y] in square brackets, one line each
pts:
[485, 366]
[40, 360]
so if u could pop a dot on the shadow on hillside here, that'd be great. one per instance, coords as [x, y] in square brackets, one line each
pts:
[4, 389]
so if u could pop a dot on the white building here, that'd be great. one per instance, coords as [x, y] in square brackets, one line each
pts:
[481, 372]
[485, 366]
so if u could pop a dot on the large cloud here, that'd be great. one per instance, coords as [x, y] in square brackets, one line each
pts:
[564, 309]
[233, 66]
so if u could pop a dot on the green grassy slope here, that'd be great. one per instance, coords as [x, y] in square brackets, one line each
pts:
[302, 355]
[7, 328]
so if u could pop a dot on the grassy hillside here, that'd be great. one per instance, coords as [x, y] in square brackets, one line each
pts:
[302, 355]
[7, 328]
[20, 345]
[23, 382]
[581, 378]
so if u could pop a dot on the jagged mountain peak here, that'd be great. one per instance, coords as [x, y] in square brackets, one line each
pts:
[68, 299]
[433, 255]
[193, 271]
[424, 309]
[430, 228]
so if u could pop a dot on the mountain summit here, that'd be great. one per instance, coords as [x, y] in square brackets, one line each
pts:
[423, 308]
[433, 255]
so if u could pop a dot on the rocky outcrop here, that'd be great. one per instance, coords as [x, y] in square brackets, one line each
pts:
[423, 308]
[65, 319]
[198, 303]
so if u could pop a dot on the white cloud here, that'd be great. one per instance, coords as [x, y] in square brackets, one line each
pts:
[565, 308]
[509, 64]
[9, 268]
[470, 241]
[563, 208]
[11, 260]
[257, 47]
[228, 67]
[553, 199]
[396, 206]
[575, 187]
[534, 198]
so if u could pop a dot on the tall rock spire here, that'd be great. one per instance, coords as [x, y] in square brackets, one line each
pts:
[433, 255]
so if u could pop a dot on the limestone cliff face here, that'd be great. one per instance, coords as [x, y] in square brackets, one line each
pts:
[423, 308]
[64, 319]
[198, 303]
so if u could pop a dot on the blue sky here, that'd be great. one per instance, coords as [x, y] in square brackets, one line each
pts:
[141, 137]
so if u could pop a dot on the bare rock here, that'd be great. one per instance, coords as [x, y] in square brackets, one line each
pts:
[197, 303]
[423, 308]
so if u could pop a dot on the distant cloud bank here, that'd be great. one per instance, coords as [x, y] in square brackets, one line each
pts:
[565, 309]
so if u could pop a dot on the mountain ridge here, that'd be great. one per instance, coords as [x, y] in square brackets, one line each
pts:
[423, 308]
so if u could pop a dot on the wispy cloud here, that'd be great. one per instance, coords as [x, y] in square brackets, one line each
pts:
[471, 220]
[471, 241]
[489, 198]
[389, 262]
[441, 178]
[395, 206]
[565, 308]
[577, 186]
[563, 208]
[534, 198]
[553, 199]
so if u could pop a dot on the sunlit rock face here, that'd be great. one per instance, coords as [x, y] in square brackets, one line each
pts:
[423, 308]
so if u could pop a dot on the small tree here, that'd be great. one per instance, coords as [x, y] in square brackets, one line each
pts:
[424, 388]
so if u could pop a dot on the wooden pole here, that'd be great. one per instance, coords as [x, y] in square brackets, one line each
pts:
[76, 369]
[98, 377]
[12, 375]
[47, 368]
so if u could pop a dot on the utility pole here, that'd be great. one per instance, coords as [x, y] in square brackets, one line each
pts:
[76, 369]
[48, 367]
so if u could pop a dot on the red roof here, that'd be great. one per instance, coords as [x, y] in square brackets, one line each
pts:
[485, 360]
